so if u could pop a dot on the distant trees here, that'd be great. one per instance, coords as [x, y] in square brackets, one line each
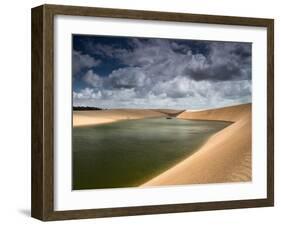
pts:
[85, 108]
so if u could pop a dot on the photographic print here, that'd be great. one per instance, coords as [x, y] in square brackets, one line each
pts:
[160, 112]
[146, 112]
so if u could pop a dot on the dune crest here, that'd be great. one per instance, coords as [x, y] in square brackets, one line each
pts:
[225, 157]
[231, 114]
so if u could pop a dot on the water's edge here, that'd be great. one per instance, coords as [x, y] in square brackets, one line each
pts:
[100, 172]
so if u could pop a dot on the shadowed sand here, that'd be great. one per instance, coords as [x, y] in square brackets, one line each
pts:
[225, 157]
[85, 118]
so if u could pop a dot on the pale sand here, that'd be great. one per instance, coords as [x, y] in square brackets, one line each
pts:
[86, 118]
[225, 157]
[231, 114]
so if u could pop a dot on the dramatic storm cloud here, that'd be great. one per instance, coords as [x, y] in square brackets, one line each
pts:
[119, 72]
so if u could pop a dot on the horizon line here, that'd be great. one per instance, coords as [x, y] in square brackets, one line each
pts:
[156, 108]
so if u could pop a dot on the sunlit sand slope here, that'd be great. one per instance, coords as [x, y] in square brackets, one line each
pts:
[225, 157]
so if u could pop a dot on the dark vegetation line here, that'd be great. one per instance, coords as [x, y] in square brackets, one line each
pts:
[87, 108]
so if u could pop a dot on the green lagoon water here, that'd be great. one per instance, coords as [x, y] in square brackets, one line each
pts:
[128, 153]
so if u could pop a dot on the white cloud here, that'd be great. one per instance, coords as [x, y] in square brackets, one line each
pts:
[165, 74]
[81, 61]
[181, 93]
[93, 79]
[86, 94]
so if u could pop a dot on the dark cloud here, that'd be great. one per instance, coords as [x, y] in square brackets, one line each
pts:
[165, 73]
[225, 62]
[129, 77]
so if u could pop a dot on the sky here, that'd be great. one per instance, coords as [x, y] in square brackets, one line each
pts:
[130, 72]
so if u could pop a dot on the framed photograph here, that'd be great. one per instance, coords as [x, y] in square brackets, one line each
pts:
[141, 112]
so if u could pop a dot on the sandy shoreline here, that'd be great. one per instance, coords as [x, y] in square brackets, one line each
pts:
[86, 118]
[225, 157]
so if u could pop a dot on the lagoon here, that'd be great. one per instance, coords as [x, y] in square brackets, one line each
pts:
[128, 153]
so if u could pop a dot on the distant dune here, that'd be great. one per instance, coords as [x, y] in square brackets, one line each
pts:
[170, 112]
[225, 157]
[85, 118]
[231, 114]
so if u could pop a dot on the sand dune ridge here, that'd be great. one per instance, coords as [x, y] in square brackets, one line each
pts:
[225, 157]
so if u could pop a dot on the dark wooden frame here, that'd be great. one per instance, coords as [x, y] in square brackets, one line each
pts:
[42, 203]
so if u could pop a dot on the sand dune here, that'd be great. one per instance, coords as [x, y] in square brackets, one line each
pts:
[225, 157]
[85, 118]
[170, 112]
[231, 114]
